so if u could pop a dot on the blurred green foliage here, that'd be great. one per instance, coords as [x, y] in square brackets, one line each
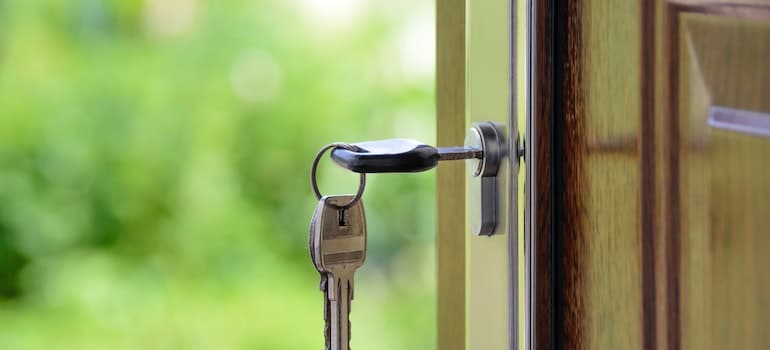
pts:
[154, 160]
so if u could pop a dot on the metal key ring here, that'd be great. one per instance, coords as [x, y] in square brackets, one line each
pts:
[314, 183]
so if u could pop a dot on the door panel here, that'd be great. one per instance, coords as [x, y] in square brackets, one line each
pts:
[723, 66]
[602, 238]
[648, 186]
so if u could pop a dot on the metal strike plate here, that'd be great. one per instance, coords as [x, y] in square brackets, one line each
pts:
[483, 185]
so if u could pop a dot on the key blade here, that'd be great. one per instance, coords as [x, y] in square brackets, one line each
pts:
[459, 153]
[340, 311]
[340, 243]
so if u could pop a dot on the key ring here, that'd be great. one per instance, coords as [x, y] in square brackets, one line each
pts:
[314, 183]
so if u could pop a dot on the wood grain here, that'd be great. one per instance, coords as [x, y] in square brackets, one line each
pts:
[450, 177]
[647, 221]
[541, 272]
[718, 57]
[670, 191]
[651, 226]
[589, 201]
[569, 136]
[603, 192]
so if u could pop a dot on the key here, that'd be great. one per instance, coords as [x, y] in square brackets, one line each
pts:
[398, 156]
[338, 249]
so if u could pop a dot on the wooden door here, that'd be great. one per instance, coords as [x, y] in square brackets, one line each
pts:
[649, 187]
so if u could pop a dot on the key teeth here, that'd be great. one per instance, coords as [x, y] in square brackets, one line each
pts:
[327, 328]
[350, 306]
[327, 308]
[323, 285]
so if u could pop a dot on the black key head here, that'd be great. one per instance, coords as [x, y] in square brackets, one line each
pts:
[387, 156]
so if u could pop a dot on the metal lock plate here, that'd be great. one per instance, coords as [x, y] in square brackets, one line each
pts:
[483, 186]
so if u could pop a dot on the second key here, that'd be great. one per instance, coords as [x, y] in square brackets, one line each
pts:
[340, 249]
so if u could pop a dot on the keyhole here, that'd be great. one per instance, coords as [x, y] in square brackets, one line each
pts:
[341, 217]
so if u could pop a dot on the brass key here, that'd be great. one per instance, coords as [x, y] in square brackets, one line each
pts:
[338, 249]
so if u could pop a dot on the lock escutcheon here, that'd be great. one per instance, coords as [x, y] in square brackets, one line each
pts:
[483, 188]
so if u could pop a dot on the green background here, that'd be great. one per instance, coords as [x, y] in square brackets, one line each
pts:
[154, 161]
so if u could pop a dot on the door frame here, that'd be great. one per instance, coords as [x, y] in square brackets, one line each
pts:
[450, 202]
[478, 278]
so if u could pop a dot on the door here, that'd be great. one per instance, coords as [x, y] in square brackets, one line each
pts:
[647, 153]
[648, 169]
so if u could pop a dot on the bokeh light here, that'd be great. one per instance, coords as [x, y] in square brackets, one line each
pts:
[154, 160]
